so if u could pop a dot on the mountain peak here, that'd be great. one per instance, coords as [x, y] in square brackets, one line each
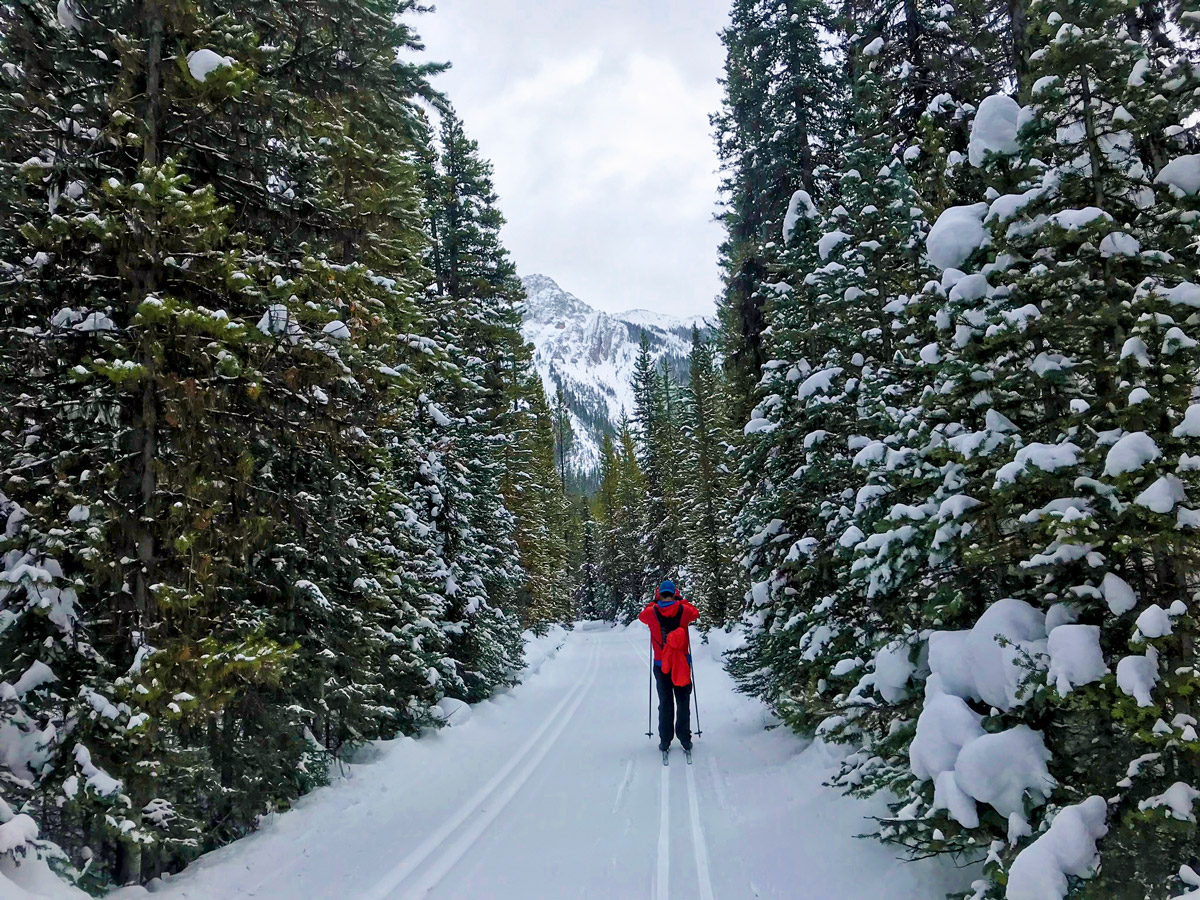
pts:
[589, 355]
[538, 282]
[545, 300]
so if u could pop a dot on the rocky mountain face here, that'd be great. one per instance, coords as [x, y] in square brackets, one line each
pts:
[589, 356]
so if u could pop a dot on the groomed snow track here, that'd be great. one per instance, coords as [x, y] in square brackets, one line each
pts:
[553, 791]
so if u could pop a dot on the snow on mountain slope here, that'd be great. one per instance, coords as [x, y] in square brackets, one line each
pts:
[590, 356]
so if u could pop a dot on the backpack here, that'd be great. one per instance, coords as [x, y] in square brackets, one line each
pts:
[667, 624]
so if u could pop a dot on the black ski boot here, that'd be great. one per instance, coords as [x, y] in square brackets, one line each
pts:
[687, 754]
[666, 757]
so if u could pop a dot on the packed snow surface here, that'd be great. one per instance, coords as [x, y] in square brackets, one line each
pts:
[553, 790]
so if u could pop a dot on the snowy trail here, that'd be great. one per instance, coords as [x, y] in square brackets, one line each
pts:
[553, 791]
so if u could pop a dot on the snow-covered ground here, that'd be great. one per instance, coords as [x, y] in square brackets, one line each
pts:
[553, 790]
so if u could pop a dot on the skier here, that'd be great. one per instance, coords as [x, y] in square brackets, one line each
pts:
[668, 617]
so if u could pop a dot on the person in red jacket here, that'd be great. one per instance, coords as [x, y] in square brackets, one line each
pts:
[669, 617]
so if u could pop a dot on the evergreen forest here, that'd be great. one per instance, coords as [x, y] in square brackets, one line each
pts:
[278, 477]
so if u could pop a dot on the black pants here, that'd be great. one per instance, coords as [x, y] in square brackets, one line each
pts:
[674, 709]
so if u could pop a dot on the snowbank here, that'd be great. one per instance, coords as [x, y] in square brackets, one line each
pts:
[31, 879]
[539, 649]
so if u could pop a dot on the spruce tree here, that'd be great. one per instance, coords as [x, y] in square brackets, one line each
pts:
[220, 553]
[774, 132]
[705, 485]
[658, 451]
[1052, 522]
[478, 299]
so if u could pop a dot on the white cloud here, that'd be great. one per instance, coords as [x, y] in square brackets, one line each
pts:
[597, 123]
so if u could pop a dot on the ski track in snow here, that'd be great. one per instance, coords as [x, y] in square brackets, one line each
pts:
[624, 785]
[485, 815]
[551, 790]
[535, 749]
[699, 846]
[662, 870]
[718, 782]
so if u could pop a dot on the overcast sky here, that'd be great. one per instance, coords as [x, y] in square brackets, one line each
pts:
[595, 116]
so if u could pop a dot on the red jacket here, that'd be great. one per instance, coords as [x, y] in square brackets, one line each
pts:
[689, 614]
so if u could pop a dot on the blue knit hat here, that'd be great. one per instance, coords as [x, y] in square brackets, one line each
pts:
[667, 587]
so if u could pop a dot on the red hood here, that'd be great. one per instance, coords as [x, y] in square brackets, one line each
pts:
[675, 658]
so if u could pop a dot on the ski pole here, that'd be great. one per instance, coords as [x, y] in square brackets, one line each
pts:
[649, 701]
[696, 700]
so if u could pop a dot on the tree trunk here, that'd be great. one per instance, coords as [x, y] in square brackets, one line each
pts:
[912, 36]
[130, 867]
[800, 108]
[1018, 24]
[228, 724]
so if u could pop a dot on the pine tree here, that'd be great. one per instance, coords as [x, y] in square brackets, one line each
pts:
[219, 571]
[619, 506]
[658, 449]
[590, 597]
[604, 513]
[705, 486]
[774, 132]
[563, 434]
